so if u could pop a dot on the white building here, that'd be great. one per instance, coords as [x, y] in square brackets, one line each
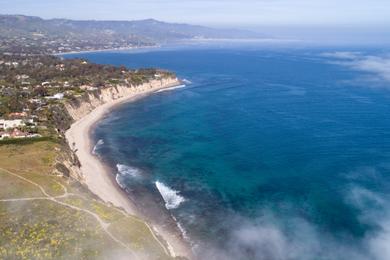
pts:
[4, 135]
[56, 96]
[6, 124]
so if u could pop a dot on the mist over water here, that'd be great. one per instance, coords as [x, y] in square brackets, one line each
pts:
[267, 154]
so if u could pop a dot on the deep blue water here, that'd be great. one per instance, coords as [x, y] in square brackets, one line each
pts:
[277, 154]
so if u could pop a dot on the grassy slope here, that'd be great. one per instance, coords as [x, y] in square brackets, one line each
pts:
[43, 228]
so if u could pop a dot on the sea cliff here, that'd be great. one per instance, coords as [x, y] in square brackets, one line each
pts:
[80, 107]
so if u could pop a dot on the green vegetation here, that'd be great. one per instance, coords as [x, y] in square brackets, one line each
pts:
[36, 87]
[43, 216]
[44, 213]
[19, 33]
[11, 187]
[46, 230]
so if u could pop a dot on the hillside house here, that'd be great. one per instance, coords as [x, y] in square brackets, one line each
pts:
[8, 124]
[17, 115]
[4, 135]
[16, 133]
[56, 96]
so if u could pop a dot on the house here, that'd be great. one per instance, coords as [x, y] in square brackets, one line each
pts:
[17, 115]
[56, 96]
[7, 124]
[16, 133]
[60, 67]
[4, 135]
[22, 77]
[31, 122]
[87, 87]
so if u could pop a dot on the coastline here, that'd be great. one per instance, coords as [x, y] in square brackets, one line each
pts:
[99, 178]
[107, 50]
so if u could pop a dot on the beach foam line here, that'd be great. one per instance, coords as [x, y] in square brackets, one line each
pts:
[171, 88]
[120, 180]
[97, 146]
[171, 197]
[126, 172]
[183, 232]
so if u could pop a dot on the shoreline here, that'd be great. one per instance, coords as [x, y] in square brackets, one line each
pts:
[99, 178]
[107, 50]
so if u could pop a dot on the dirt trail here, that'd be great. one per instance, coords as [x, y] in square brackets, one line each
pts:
[104, 225]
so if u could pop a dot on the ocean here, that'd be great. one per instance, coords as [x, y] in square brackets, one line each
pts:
[264, 153]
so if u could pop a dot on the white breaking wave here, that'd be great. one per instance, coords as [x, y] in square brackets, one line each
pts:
[183, 232]
[125, 173]
[120, 180]
[97, 146]
[171, 197]
[187, 81]
[128, 171]
[171, 88]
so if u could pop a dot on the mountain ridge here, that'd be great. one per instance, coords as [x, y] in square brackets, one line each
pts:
[143, 28]
[32, 34]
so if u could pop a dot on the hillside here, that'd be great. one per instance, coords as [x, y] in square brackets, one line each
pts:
[60, 35]
[46, 216]
[46, 209]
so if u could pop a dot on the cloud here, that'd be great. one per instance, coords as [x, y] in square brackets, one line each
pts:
[348, 55]
[375, 211]
[378, 66]
[281, 238]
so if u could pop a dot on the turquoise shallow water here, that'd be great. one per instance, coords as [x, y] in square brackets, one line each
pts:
[267, 154]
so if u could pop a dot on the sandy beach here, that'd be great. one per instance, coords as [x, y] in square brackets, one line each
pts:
[98, 177]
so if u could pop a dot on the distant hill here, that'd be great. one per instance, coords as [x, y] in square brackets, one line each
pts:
[151, 29]
[106, 34]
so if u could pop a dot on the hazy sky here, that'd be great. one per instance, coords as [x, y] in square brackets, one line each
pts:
[368, 13]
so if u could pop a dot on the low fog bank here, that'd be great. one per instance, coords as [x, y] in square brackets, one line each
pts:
[275, 236]
[375, 66]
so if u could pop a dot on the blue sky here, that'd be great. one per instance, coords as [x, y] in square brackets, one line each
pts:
[238, 13]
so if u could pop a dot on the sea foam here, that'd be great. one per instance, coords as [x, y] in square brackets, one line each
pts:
[97, 146]
[120, 180]
[187, 81]
[171, 197]
[126, 172]
[171, 88]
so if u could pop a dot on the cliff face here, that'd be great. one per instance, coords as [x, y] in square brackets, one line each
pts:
[84, 105]
[67, 164]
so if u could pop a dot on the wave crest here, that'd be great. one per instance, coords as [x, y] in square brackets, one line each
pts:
[171, 197]
[171, 88]
[97, 146]
[126, 172]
